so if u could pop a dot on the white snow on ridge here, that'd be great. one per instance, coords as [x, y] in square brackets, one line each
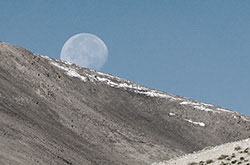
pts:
[200, 106]
[154, 93]
[117, 82]
[171, 114]
[189, 103]
[68, 63]
[121, 83]
[245, 118]
[225, 110]
[112, 77]
[46, 57]
[196, 123]
[205, 107]
[69, 71]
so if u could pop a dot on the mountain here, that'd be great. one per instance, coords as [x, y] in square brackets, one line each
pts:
[230, 153]
[54, 112]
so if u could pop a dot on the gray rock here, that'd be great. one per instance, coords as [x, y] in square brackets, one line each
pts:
[49, 116]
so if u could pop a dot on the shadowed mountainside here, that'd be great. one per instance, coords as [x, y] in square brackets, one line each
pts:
[52, 112]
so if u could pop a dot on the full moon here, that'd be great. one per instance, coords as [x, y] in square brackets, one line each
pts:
[85, 50]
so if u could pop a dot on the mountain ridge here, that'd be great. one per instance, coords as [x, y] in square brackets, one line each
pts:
[54, 112]
[140, 89]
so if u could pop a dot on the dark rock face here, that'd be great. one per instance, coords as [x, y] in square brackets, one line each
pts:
[52, 112]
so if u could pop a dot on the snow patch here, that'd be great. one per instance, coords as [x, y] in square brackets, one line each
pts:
[205, 107]
[189, 103]
[128, 85]
[245, 118]
[66, 62]
[171, 114]
[46, 57]
[225, 110]
[200, 106]
[196, 123]
[69, 71]
[117, 82]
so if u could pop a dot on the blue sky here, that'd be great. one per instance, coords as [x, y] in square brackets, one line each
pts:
[193, 48]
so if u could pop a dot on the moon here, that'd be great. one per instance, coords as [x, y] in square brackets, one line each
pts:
[86, 50]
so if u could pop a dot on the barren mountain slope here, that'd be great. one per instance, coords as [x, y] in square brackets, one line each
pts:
[53, 112]
[230, 153]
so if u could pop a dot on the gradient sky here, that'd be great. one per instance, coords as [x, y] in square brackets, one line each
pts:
[193, 48]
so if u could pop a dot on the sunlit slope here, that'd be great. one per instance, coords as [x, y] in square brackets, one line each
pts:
[230, 153]
[52, 112]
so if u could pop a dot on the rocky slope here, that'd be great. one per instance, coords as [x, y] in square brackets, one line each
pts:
[226, 154]
[52, 112]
